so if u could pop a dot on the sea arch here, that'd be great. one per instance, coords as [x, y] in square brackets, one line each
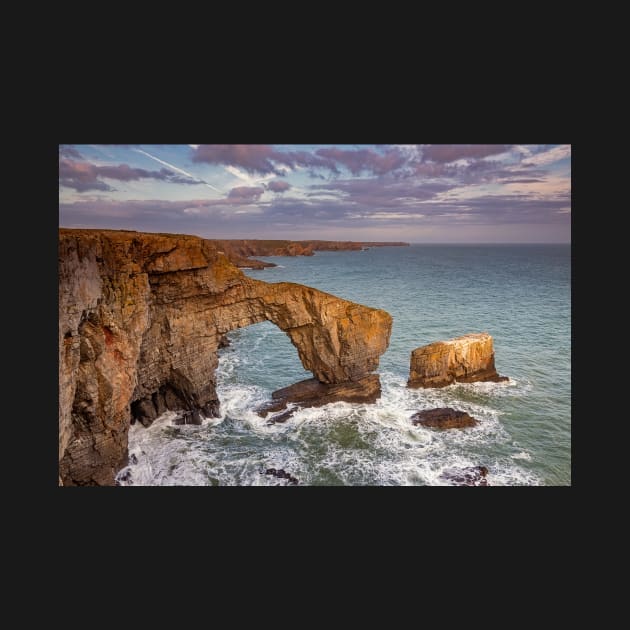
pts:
[336, 340]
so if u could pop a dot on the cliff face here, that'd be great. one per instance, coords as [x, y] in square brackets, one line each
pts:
[464, 359]
[140, 320]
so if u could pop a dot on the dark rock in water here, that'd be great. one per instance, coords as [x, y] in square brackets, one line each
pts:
[313, 393]
[211, 409]
[126, 476]
[185, 417]
[281, 417]
[224, 342]
[188, 417]
[281, 474]
[474, 476]
[133, 459]
[443, 418]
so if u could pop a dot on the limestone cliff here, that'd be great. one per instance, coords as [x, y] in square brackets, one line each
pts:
[464, 359]
[140, 320]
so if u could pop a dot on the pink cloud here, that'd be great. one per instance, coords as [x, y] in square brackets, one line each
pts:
[450, 152]
[357, 160]
[278, 186]
[246, 193]
[84, 176]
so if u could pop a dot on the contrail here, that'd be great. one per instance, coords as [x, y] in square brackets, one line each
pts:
[176, 169]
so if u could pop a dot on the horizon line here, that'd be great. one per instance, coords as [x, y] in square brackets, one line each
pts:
[346, 240]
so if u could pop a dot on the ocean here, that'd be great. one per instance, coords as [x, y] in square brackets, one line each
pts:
[520, 294]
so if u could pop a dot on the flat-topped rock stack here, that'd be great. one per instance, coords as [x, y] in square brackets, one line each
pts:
[465, 359]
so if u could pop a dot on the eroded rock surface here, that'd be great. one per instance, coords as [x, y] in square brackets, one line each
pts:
[312, 393]
[465, 359]
[141, 317]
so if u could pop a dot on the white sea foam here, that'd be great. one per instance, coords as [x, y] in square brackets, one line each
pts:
[340, 443]
[383, 448]
[522, 455]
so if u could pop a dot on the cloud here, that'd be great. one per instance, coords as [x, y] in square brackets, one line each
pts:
[523, 181]
[382, 192]
[445, 153]
[382, 189]
[278, 186]
[69, 152]
[246, 193]
[254, 158]
[262, 158]
[548, 157]
[357, 207]
[265, 159]
[259, 158]
[358, 160]
[83, 176]
[176, 169]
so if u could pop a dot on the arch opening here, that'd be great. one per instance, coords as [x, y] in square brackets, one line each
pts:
[260, 354]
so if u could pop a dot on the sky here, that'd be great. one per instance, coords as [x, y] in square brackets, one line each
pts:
[431, 193]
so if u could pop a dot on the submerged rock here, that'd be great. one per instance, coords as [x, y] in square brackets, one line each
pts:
[126, 477]
[474, 476]
[465, 359]
[281, 474]
[444, 418]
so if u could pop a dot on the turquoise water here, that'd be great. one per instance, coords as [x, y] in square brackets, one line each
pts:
[520, 294]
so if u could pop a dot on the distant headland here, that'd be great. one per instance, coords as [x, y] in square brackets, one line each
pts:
[240, 251]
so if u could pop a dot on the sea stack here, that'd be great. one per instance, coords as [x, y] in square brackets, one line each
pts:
[465, 359]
